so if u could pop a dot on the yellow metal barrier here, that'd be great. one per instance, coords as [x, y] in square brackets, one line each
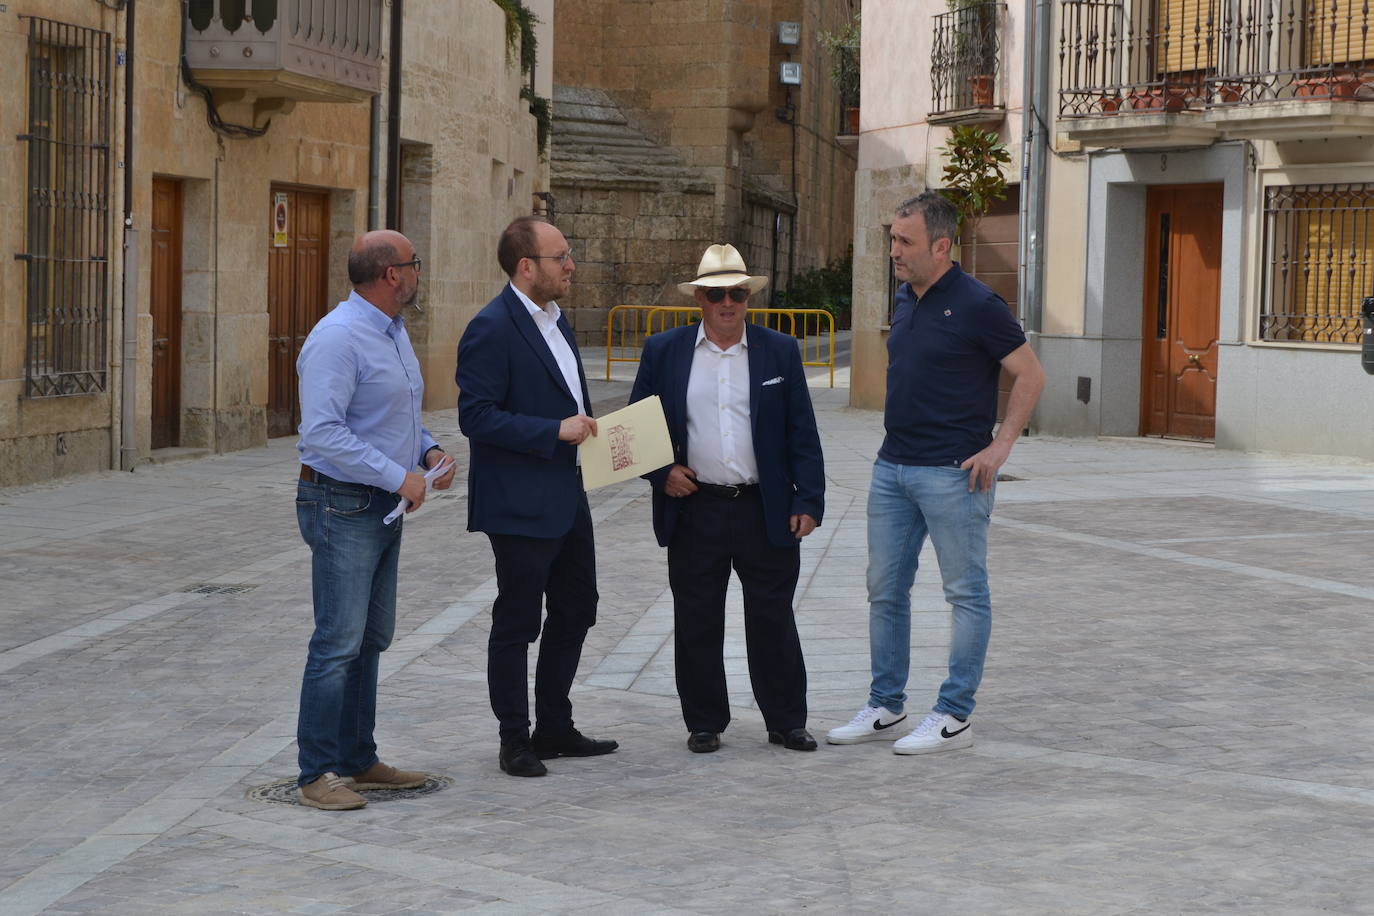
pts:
[628, 325]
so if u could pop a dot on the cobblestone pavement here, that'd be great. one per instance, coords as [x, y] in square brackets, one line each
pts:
[1176, 716]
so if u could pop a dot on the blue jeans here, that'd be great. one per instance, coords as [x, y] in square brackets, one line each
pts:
[353, 572]
[905, 503]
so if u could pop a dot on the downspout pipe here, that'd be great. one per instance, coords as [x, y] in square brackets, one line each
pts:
[393, 120]
[128, 377]
[374, 165]
[1034, 171]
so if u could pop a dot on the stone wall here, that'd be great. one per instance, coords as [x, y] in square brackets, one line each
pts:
[699, 80]
[472, 165]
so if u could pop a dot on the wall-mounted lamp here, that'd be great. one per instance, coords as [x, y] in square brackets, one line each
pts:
[789, 73]
[789, 33]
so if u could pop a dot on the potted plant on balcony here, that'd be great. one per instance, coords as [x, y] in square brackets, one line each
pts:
[843, 45]
[975, 47]
[1332, 84]
[973, 175]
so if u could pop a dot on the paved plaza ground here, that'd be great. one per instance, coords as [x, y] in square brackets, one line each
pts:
[1177, 717]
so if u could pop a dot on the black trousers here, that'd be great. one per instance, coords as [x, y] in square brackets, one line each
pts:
[712, 536]
[528, 569]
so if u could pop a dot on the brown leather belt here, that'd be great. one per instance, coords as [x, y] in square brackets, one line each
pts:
[310, 475]
[726, 491]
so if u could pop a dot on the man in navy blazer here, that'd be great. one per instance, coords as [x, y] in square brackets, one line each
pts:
[524, 406]
[748, 483]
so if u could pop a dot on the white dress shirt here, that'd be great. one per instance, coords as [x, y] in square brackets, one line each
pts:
[546, 319]
[720, 441]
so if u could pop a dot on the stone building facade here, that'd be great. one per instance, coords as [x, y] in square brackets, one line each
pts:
[179, 329]
[673, 132]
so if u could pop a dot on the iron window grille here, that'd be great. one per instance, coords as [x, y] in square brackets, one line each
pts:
[68, 229]
[1319, 262]
[767, 245]
[892, 283]
[966, 56]
[847, 64]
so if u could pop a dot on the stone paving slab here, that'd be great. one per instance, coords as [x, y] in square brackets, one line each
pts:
[1175, 718]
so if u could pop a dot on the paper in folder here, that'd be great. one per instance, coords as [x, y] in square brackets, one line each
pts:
[629, 442]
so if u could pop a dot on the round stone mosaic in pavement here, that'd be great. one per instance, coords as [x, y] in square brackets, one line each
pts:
[283, 792]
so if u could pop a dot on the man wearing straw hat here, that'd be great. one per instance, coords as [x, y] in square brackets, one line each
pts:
[748, 483]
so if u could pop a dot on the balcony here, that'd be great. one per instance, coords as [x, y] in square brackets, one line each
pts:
[1134, 78]
[965, 64]
[1288, 71]
[1188, 72]
[300, 50]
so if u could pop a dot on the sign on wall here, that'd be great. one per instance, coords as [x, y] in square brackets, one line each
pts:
[279, 220]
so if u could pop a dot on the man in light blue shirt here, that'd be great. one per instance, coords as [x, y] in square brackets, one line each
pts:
[361, 442]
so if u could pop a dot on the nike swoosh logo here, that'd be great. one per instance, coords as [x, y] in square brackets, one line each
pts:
[879, 726]
[946, 733]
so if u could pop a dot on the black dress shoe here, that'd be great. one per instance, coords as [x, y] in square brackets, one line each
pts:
[703, 742]
[571, 743]
[794, 739]
[518, 759]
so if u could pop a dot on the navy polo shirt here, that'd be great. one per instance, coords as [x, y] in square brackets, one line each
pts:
[944, 355]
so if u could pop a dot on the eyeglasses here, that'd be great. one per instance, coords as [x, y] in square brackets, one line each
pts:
[717, 294]
[562, 259]
[413, 262]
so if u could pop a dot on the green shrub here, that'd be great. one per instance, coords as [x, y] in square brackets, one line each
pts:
[827, 288]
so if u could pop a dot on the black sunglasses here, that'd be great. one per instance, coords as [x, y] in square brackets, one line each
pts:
[716, 294]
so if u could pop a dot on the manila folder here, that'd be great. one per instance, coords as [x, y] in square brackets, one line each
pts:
[629, 443]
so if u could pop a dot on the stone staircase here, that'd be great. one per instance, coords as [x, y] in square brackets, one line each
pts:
[594, 144]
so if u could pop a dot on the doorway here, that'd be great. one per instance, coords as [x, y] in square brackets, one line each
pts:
[1182, 285]
[164, 301]
[297, 293]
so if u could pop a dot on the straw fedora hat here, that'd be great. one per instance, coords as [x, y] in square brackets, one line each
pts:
[722, 265]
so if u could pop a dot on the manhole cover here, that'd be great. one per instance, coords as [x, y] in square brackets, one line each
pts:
[284, 791]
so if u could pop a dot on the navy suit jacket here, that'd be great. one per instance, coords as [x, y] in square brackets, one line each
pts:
[512, 397]
[787, 447]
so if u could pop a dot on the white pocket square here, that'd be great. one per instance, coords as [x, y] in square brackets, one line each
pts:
[772, 381]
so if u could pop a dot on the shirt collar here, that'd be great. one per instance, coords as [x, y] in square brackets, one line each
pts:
[553, 312]
[701, 335]
[373, 315]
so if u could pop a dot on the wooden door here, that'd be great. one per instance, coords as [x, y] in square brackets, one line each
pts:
[1182, 294]
[992, 253]
[297, 296]
[164, 302]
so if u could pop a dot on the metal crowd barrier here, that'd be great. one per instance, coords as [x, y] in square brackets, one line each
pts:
[628, 325]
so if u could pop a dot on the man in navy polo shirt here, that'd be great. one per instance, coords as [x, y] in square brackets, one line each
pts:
[936, 472]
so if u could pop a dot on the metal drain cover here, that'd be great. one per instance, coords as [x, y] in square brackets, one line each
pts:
[283, 792]
[211, 589]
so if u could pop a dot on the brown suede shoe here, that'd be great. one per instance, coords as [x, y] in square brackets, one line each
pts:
[382, 776]
[331, 793]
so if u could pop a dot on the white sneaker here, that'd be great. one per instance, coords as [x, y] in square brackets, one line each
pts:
[937, 732]
[872, 723]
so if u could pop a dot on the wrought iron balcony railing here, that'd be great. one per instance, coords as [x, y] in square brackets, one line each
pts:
[320, 50]
[1177, 55]
[965, 60]
[847, 67]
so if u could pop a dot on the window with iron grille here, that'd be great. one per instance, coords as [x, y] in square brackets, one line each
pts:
[767, 245]
[68, 231]
[892, 282]
[1319, 261]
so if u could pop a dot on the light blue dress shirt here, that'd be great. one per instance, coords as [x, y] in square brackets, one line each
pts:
[361, 393]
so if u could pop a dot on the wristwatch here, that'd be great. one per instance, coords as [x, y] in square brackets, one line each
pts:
[424, 459]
